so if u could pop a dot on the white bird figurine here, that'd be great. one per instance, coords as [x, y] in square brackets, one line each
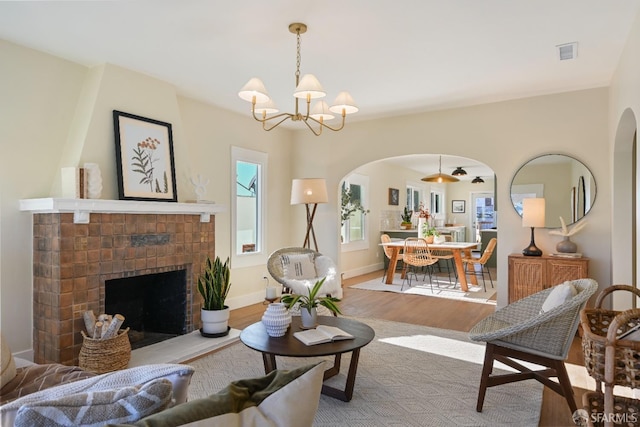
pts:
[565, 231]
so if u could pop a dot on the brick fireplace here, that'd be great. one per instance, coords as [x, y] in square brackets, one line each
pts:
[72, 261]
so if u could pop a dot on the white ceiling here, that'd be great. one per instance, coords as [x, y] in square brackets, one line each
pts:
[394, 57]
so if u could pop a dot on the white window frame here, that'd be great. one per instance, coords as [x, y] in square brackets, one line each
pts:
[363, 182]
[414, 187]
[258, 257]
[440, 195]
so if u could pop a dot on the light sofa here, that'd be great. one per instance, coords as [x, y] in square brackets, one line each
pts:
[151, 395]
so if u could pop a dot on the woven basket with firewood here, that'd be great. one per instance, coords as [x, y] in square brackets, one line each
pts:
[105, 348]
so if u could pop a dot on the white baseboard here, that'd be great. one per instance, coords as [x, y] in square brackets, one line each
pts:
[245, 300]
[362, 270]
[25, 354]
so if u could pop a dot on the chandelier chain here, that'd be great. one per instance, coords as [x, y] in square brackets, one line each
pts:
[298, 57]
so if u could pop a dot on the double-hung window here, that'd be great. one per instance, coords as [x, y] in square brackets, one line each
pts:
[249, 179]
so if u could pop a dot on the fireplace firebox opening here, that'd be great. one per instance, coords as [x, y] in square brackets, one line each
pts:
[154, 305]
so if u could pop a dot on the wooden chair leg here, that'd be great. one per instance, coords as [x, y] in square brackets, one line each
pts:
[487, 368]
[565, 383]
[511, 357]
[489, 273]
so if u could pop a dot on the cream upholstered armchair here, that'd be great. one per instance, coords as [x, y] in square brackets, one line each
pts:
[298, 269]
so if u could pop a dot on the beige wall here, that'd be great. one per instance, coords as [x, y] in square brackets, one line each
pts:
[37, 108]
[624, 115]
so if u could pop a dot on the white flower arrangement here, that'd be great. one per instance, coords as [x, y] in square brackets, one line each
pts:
[565, 232]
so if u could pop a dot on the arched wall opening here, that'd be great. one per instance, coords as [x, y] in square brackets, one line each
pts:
[625, 255]
[391, 175]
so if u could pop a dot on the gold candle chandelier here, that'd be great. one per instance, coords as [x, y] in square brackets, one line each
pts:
[307, 88]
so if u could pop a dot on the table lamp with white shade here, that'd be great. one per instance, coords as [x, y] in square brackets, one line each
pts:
[309, 191]
[532, 216]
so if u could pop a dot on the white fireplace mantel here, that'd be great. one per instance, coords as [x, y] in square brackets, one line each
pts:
[82, 208]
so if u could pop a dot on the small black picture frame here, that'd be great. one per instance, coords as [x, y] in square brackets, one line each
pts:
[457, 206]
[144, 158]
[394, 197]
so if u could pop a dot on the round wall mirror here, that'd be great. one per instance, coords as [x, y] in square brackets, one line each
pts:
[565, 183]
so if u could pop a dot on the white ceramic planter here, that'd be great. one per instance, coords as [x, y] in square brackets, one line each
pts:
[308, 320]
[215, 321]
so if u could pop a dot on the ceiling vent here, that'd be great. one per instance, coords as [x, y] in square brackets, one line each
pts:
[567, 51]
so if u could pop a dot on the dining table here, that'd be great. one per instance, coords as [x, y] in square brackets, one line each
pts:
[456, 248]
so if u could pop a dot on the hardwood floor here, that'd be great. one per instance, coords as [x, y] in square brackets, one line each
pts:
[435, 312]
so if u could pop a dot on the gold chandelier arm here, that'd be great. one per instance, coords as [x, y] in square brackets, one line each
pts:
[264, 122]
[268, 119]
[304, 119]
[324, 125]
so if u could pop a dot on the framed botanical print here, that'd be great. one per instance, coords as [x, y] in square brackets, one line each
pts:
[144, 158]
[394, 196]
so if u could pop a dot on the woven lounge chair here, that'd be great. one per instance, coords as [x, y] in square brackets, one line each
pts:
[324, 268]
[521, 331]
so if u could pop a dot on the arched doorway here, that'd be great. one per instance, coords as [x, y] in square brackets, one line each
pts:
[388, 185]
[625, 255]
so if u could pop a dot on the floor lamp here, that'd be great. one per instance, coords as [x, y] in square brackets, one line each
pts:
[309, 191]
[532, 216]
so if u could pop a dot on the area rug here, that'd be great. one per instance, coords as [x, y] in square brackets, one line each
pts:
[442, 288]
[407, 376]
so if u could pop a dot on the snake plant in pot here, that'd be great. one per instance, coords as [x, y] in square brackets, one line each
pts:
[214, 284]
[309, 303]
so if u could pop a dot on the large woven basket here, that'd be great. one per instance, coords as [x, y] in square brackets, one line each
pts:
[600, 328]
[108, 355]
[627, 410]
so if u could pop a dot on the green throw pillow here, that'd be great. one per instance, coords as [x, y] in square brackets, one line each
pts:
[264, 401]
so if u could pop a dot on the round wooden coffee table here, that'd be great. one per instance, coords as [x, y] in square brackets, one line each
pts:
[255, 336]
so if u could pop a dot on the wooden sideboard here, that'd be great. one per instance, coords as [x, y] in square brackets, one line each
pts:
[530, 274]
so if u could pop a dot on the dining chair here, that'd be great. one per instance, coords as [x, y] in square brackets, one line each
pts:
[384, 238]
[417, 255]
[482, 262]
[447, 258]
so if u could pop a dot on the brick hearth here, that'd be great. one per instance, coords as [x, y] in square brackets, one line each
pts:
[72, 261]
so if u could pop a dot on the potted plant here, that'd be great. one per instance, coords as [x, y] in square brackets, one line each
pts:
[429, 232]
[309, 303]
[406, 219]
[214, 285]
[348, 207]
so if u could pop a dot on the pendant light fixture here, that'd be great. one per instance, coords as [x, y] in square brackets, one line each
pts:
[477, 180]
[459, 172]
[440, 177]
[307, 88]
